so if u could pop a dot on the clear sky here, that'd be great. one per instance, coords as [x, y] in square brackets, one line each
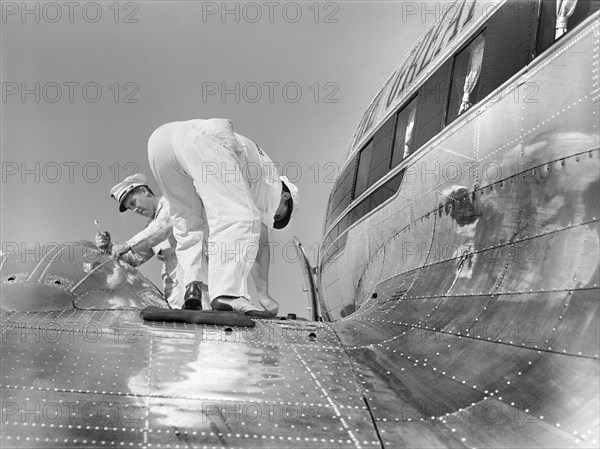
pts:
[295, 77]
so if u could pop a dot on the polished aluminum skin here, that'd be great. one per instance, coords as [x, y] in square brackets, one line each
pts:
[469, 303]
[465, 311]
[81, 369]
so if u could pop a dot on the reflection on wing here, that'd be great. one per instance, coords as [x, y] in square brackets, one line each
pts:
[78, 370]
[73, 275]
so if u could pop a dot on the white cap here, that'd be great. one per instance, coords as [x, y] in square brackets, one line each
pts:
[293, 190]
[120, 191]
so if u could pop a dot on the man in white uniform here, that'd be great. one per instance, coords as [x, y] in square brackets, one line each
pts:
[221, 185]
[156, 239]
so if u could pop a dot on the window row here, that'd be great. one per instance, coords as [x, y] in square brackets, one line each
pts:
[502, 47]
[377, 198]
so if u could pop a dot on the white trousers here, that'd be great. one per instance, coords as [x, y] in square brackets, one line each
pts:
[198, 168]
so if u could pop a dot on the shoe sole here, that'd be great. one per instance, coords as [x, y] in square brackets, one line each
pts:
[218, 305]
[192, 304]
[260, 314]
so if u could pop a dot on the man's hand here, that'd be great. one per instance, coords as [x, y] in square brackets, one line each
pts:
[103, 241]
[118, 249]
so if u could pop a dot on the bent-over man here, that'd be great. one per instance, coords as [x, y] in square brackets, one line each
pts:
[221, 185]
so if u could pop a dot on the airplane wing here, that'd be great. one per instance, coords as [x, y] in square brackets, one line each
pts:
[81, 369]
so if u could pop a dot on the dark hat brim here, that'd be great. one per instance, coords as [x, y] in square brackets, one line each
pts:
[283, 222]
[122, 208]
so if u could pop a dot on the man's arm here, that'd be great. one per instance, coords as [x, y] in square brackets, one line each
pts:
[260, 272]
[138, 249]
[136, 257]
[123, 250]
[157, 231]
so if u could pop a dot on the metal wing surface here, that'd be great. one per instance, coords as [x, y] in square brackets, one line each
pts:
[80, 368]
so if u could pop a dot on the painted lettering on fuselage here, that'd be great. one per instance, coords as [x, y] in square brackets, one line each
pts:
[454, 18]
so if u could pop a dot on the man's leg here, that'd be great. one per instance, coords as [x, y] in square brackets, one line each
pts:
[233, 218]
[260, 273]
[187, 211]
[172, 292]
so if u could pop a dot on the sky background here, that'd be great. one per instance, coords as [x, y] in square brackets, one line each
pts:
[78, 142]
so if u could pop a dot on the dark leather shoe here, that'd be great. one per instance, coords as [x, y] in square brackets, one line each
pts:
[192, 300]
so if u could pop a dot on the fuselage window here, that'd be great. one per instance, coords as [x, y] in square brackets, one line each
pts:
[362, 176]
[404, 140]
[432, 102]
[374, 158]
[372, 201]
[508, 45]
[383, 140]
[342, 193]
[464, 90]
[558, 17]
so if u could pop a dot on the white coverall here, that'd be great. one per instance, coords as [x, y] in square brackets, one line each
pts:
[221, 184]
[157, 239]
